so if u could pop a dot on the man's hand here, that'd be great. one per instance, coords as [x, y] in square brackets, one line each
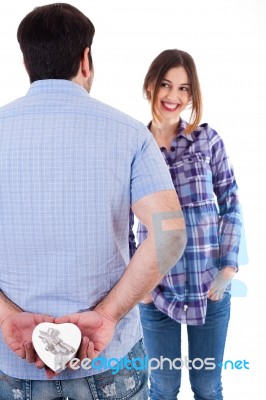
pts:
[17, 333]
[220, 283]
[97, 330]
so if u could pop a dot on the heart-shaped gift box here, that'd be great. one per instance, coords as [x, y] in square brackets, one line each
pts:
[56, 344]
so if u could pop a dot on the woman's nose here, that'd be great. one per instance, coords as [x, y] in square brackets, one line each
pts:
[172, 94]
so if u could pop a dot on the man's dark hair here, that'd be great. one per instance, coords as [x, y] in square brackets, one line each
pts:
[52, 39]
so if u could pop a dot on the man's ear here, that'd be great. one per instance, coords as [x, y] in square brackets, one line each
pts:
[85, 65]
[25, 66]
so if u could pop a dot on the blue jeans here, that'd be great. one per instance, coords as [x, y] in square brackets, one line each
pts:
[162, 337]
[125, 384]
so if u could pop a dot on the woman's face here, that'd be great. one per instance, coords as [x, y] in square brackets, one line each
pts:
[173, 95]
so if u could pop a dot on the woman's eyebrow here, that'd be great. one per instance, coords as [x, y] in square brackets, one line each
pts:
[181, 84]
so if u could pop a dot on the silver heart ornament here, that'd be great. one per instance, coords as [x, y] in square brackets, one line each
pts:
[56, 344]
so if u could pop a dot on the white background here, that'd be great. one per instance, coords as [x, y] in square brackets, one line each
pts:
[227, 41]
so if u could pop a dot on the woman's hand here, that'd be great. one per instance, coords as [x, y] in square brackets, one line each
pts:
[220, 283]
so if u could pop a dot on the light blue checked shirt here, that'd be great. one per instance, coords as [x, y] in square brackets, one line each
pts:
[70, 167]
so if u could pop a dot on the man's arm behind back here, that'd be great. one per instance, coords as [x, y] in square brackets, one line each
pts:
[161, 213]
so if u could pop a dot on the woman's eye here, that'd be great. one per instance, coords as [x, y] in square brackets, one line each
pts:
[164, 84]
[184, 89]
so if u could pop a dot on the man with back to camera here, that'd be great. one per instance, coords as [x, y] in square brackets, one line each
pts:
[71, 168]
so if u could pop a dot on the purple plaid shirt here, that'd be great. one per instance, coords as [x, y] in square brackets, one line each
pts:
[207, 190]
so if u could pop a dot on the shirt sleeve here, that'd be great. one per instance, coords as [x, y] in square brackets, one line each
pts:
[225, 189]
[149, 172]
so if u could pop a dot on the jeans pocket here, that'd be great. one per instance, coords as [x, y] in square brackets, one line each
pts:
[124, 379]
[225, 297]
[11, 388]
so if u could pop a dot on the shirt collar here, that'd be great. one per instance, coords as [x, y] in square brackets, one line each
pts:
[56, 86]
[180, 132]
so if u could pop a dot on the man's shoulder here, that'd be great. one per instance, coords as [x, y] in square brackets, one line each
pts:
[73, 101]
[6, 108]
[105, 111]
